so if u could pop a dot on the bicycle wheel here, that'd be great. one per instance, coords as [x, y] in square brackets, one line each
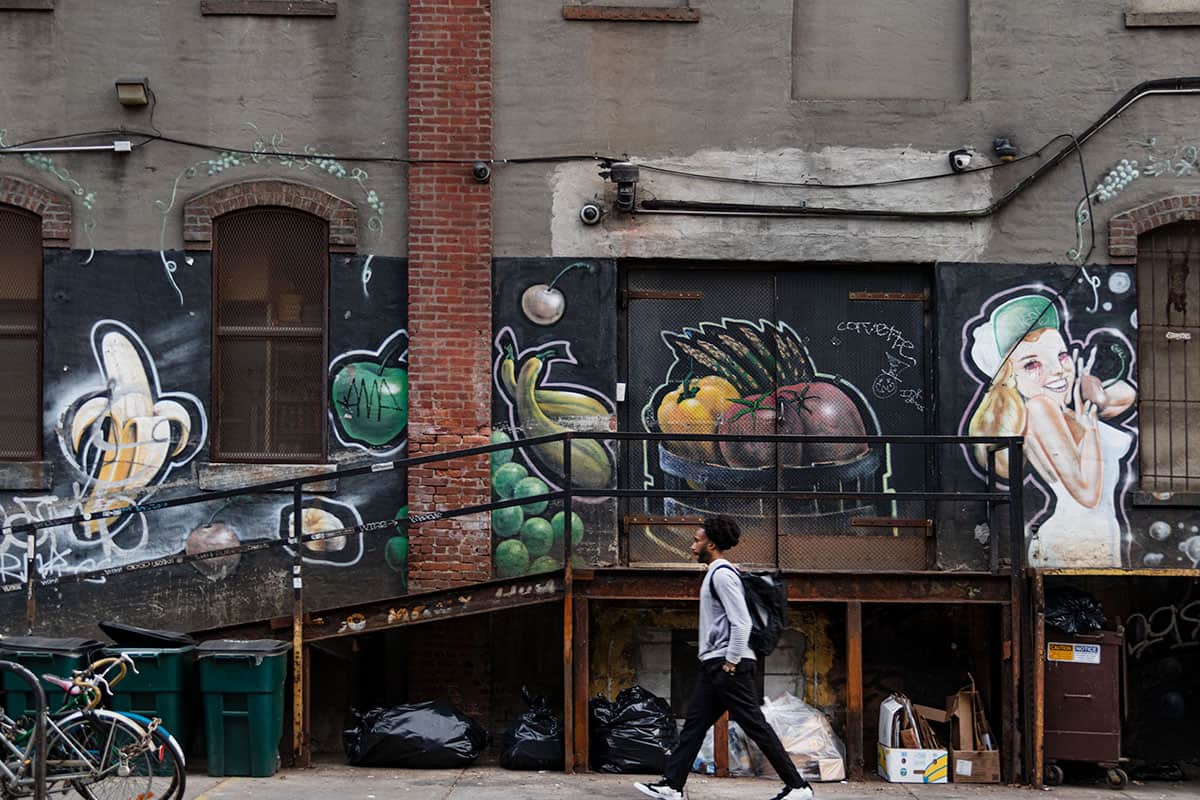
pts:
[166, 763]
[116, 760]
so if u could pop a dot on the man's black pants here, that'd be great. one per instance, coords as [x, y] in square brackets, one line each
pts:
[716, 692]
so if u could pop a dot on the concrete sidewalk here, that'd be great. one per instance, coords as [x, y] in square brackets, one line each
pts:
[340, 782]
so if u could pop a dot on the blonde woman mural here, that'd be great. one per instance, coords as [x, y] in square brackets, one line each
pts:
[1042, 388]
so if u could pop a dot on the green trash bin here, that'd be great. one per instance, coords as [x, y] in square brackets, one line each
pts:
[41, 655]
[158, 688]
[242, 686]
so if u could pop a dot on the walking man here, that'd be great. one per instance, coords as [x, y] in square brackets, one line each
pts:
[727, 666]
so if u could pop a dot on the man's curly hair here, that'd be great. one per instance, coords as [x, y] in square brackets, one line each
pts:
[722, 531]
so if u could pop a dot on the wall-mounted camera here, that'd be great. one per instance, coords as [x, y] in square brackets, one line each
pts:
[481, 171]
[590, 214]
[960, 160]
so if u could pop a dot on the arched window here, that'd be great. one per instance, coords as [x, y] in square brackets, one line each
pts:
[20, 334]
[270, 317]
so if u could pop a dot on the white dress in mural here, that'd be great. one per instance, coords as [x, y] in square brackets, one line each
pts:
[1075, 535]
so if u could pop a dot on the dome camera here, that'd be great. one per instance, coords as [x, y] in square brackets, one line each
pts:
[481, 171]
[590, 213]
[960, 160]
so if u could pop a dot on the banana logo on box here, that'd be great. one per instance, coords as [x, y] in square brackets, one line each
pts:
[129, 435]
[938, 769]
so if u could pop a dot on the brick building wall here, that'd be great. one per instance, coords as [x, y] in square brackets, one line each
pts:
[450, 252]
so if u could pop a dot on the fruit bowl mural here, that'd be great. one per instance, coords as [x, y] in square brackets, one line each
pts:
[741, 378]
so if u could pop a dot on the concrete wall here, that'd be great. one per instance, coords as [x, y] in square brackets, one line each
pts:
[293, 84]
[719, 97]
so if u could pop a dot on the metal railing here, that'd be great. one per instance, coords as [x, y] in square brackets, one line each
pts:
[992, 495]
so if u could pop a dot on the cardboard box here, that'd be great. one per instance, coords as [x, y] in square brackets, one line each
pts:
[899, 721]
[975, 766]
[973, 754]
[913, 766]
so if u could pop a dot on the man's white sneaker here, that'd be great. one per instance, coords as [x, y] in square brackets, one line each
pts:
[660, 789]
[801, 793]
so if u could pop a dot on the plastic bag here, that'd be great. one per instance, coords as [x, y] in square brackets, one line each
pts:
[432, 734]
[634, 733]
[740, 764]
[535, 740]
[807, 737]
[1073, 611]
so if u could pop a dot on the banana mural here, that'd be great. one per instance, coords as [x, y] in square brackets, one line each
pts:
[126, 437]
[538, 407]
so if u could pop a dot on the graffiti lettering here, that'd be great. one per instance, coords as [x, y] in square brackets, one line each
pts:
[1175, 627]
[890, 333]
[913, 398]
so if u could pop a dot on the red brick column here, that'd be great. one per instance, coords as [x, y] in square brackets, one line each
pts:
[449, 282]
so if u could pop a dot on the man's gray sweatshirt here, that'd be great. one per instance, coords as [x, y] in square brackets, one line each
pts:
[724, 625]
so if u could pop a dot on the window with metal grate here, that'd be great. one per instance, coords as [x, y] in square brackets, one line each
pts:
[270, 279]
[1168, 364]
[20, 334]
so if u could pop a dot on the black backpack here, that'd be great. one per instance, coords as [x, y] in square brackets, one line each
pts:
[766, 600]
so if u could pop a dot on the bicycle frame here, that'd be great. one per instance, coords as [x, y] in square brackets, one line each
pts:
[77, 765]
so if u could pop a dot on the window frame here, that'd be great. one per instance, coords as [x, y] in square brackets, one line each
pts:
[1148, 266]
[215, 455]
[39, 337]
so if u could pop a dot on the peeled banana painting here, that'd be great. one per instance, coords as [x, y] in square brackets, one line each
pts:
[126, 436]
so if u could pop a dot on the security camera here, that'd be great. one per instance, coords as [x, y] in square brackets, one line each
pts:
[590, 213]
[960, 160]
[481, 171]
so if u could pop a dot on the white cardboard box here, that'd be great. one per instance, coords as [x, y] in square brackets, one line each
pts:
[914, 766]
[902, 764]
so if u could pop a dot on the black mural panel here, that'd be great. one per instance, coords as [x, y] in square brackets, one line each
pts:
[1048, 353]
[816, 352]
[127, 401]
[554, 369]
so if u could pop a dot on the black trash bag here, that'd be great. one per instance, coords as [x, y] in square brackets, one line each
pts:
[535, 741]
[634, 733]
[433, 735]
[1073, 611]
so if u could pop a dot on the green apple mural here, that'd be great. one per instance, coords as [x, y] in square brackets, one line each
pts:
[368, 396]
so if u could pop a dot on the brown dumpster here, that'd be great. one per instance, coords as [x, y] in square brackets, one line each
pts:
[1084, 691]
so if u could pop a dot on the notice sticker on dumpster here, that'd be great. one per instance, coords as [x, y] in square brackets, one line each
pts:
[1074, 653]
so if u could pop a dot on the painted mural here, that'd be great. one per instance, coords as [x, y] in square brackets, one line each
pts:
[553, 366]
[1047, 353]
[127, 417]
[739, 377]
[805, 353]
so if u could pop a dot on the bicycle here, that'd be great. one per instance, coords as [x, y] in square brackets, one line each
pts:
[96, 752]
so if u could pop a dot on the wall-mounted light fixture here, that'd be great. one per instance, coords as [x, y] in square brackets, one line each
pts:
[133, 91]
[625, 175]
[1004, 148]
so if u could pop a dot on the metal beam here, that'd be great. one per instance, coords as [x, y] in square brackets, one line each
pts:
[415, 609]
[898, 587]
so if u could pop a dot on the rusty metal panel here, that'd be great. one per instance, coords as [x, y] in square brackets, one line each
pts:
[1168, 363]
[20, 334]
[270, 299]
